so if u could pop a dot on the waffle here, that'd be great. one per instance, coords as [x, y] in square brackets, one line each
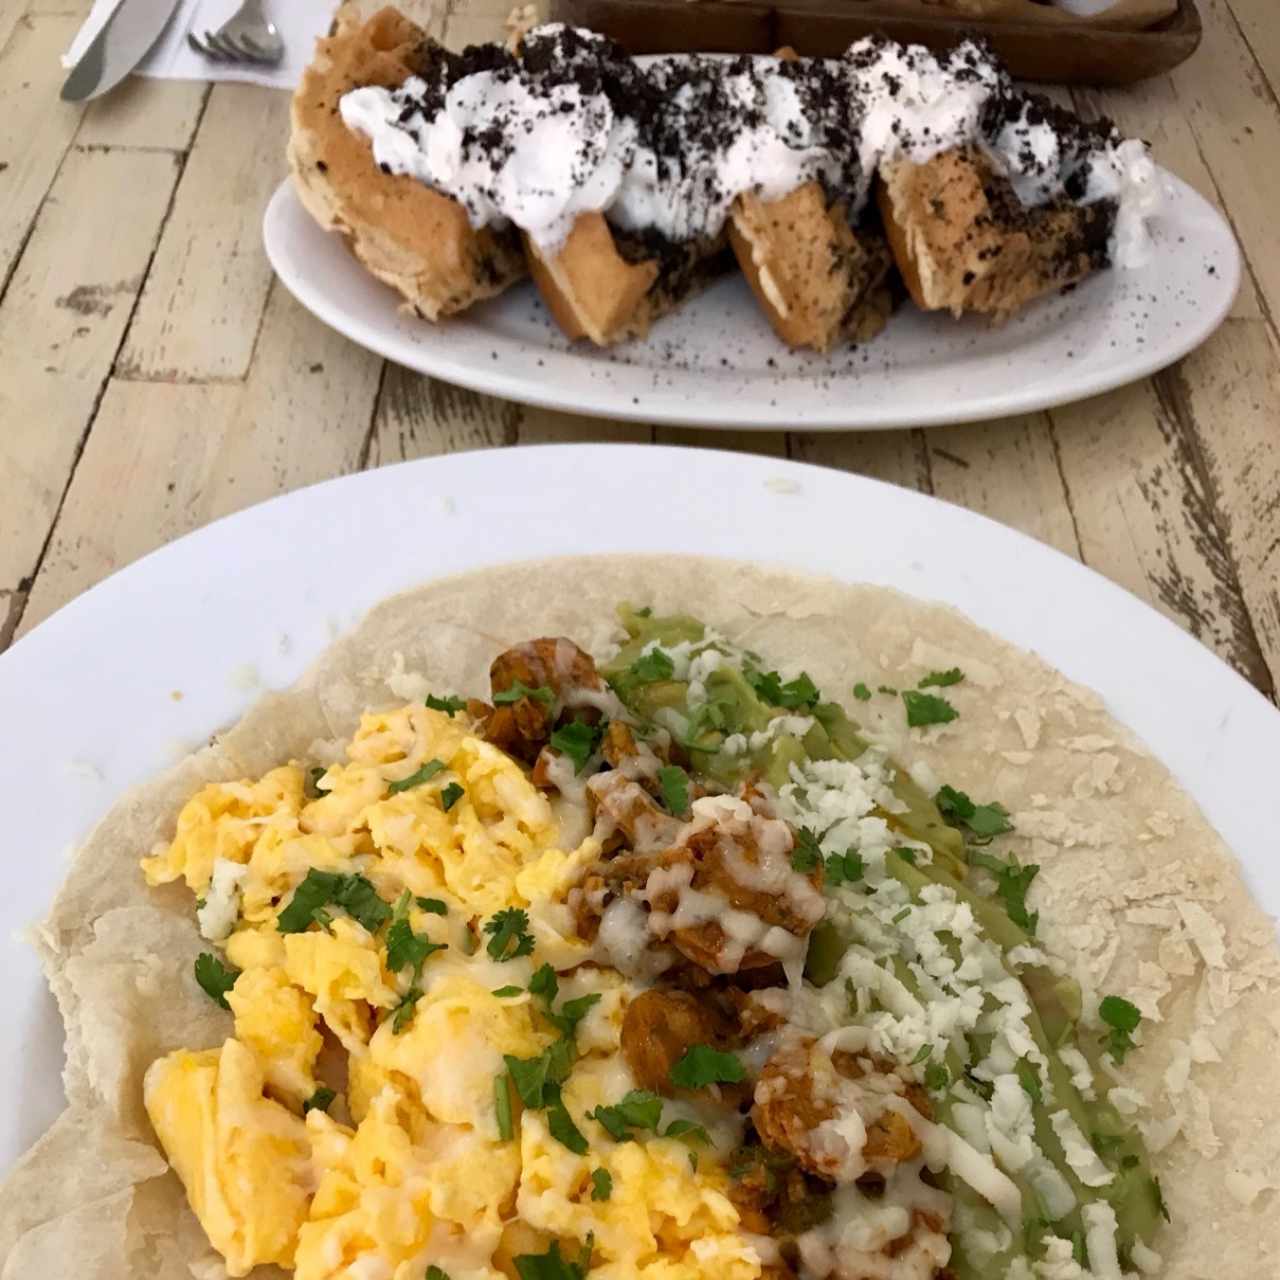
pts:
[409, 236]
[964, 243]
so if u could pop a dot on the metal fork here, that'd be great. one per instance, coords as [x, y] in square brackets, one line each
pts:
[247, 36]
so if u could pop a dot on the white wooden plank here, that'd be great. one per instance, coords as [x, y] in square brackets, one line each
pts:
[36, 128]
[61, 324]
[202, 306]
[144, 113]
[187, 454]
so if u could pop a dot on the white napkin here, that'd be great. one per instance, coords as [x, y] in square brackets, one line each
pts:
[300, 23]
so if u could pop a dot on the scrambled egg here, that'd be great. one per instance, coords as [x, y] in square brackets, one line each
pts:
[409, 1155]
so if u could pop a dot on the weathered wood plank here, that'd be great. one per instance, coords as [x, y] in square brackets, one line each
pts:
[1006, 469]
[145, 113]
[1259, 25]
[1152, 110]
[1147, 519]
[36, 128]
[187, 454]
[203, 304]
[11, 12]
[549, 426]
[1229, 391]
[418, 417]
[61, 325]
[900, 457]
[770, 443]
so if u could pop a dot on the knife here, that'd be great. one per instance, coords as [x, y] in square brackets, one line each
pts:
[127, 35]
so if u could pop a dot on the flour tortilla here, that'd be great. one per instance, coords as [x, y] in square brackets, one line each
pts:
[1136, 891]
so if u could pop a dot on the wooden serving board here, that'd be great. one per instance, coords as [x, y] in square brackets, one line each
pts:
[826, 28]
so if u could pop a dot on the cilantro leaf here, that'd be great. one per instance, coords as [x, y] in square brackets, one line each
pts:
[320, 1100]
[508, 934]
[940, 679]
[502, 1106]
[701, 1065]
[561, 1125]
[887, 688]
[806, 854]
[984, 821]
[403, 1013]
[675, 788]
[1012, 882]
[417, 778]
[638, 1109]
[927, 708]
[923, 1054]
[845, 868]
[936, 1077]
[433, 906]
[550, 1265]
[353, 893]
[448, 704]
[653, 666]
[794, 695]
[901, 916]
[215, 977]
[1029, 1079]
[451, 795]
[519, 690]
[601, 1184]
[544, 983]
[686, 1130]
[504, 992]
[436, 1273]
[577, 741]
[533, 1076]
[572, 1012]
[861, 692]
[1123, 1018]
[907, 855]
[408, 949]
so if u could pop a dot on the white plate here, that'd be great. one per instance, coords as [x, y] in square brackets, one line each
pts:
[87, 696]
[716, 362]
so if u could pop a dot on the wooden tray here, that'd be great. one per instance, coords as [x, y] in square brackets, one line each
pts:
[826, 28]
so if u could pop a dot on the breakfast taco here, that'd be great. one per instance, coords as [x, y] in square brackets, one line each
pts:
[661, 917]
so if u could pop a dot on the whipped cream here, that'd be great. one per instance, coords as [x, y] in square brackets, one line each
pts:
[575, 126]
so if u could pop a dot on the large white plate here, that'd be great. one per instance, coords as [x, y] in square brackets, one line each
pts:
[88, 704]
[716, 362]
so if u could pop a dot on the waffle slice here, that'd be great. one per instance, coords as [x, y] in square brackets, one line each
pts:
[964, 242]
[409, 236]
[817, 280]
[608, 286]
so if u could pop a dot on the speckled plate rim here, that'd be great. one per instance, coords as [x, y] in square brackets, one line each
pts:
[715, 362]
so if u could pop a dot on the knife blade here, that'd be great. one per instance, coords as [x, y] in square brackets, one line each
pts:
[126, 37]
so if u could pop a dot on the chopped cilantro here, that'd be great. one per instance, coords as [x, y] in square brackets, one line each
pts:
[417, 778]
[983, 1088]
[845, 868]
[215, 977]
[551, 1266]
[402, 1016]
[638, 1109]
[794, 695]
[901, 916]
[503, 992]
[561, 1125]
[432, 906]
[448, 704]
[1029, 1079]
[406, 949]
[936, 1077]
[702, 1065]
[502, 1106]
[520, 690]
[577, 741]
[353, 893]
[923, 1054]
[907, 855]
[544, 983]
[675, 788]
[861, 692]
[927, 708]
[653, 666]
[436, 1273]
[508, 934]
[889, 689]
[601, 1184]
[1161, 1207]
[451, 795]
[687, 1131]
[311, 783]
[1123, 1018]
[572, 1012]
[940, 679]
[320, 1100]
[983, 820]
[532, 1076]
[1129, 1162]
[806, 855]
[1012, 882]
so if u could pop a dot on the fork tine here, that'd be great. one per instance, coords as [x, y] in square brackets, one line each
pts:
[225, 48]
[246, 49]
[258, 52]
[204, 50]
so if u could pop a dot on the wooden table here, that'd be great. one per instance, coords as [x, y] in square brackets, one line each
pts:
[154, 376]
